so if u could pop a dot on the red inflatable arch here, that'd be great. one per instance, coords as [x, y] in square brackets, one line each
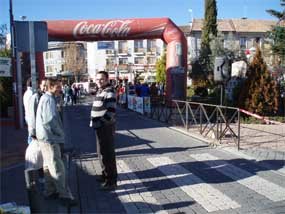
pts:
[132, 29]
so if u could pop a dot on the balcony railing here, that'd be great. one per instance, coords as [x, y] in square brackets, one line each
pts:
[110, 67]
[110, 52]
[123, 51]
[139, 50]
[123, 67]
[151, 51]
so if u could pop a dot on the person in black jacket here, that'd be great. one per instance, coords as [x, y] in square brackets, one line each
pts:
[103, 121]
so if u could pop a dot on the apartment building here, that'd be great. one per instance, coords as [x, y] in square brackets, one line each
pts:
[55, 58]
[245, 33]
[127, 59]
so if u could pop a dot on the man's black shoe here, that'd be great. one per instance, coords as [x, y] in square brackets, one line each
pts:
[51, 196]
[108, 186]
[68, 202]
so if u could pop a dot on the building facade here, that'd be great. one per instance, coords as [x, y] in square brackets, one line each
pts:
[128, 59]
[244, 32]
[55, 59]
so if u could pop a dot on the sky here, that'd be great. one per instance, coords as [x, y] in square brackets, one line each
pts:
[179, 11]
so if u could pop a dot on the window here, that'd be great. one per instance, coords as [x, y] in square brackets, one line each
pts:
[123, 47]
[110, 61]
[138, 45]
[151, 60]
[258, 40]
[242, 42]
[151, 44]
[139, 60]
[62, 67]
[123, 61]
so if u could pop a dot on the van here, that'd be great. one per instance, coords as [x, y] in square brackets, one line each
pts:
[88, 87]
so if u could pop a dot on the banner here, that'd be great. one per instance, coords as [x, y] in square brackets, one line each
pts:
[136, 104]
[105, 45]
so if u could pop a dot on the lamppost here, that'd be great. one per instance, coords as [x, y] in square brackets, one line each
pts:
[191, 15]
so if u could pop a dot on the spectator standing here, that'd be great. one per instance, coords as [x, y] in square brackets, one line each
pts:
[103, 121]
[144, 90]
[138, 89]
[26, 99]
[50, 135]
[33, 105]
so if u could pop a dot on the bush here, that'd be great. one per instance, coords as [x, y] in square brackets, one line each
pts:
[5, 95]
[190, 91]
[201, 91]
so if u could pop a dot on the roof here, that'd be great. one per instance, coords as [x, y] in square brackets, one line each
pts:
[237, 25]
[253, 25]
[185, 28]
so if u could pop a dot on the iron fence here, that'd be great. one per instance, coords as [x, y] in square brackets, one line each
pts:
[211, 121]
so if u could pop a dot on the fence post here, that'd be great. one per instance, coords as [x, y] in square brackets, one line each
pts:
[200, 118]
[238, 129]
[186, 122]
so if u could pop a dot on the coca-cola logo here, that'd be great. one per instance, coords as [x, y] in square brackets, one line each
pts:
[114, 28]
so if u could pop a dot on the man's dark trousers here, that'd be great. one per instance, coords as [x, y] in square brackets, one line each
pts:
[106, 152]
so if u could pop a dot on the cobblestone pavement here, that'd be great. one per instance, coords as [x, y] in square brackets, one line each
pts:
[162, 170]
[264, 143]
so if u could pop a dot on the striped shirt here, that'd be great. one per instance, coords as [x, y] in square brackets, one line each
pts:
[104, 107]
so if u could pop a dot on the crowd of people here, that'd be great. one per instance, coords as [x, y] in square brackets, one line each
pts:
[45, 129]
[124, 89]
[43, 115]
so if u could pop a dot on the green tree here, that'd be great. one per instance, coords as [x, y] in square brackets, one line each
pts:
[277, 34]
[260, 92]
[279, 15]
[5, 82]
[74, 59]
[160, 67]
[210, 23]
[3, 33]
[209, 30]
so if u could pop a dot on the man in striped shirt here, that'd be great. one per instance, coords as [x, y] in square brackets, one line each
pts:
[103, 121]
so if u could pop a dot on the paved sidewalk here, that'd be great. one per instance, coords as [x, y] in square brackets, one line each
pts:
[164, 171]
[13, 145]
[259, 142]
[161, 170]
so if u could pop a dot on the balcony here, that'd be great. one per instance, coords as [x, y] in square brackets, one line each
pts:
[123, 67]
[110, 52]
[110, 67]
[139, 51]
[151, 51]
[123, 52]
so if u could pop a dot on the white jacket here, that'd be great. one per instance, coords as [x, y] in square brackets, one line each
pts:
[26, 99]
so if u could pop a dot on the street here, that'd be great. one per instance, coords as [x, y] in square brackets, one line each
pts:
[164, 171]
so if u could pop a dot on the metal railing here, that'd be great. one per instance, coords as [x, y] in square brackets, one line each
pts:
[213, 121]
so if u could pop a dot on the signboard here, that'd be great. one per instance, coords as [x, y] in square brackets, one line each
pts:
[135, 103]
[5, 67]
[105, 45]
[23, 36]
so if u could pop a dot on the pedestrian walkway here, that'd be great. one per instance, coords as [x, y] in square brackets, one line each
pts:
[160, 170]
[165, 171]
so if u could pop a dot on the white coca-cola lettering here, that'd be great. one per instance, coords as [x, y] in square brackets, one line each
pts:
[114, 28]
